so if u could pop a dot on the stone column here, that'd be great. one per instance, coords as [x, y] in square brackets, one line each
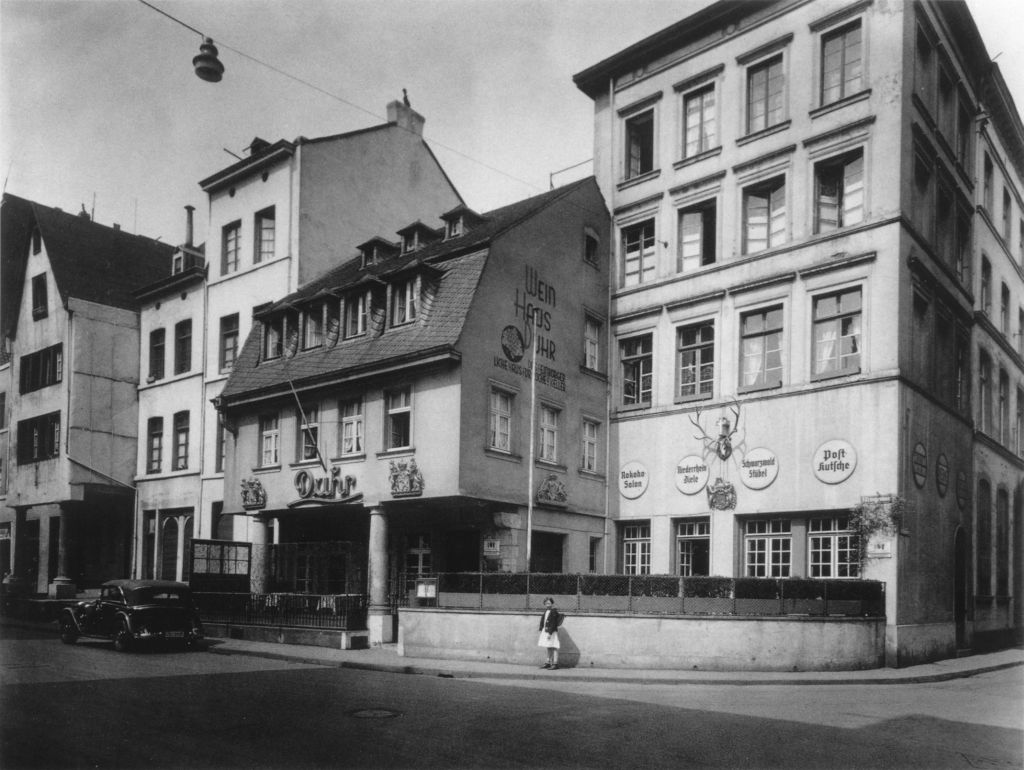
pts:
[17, 582]
[258, 567]
[63, 587]
[379, 620]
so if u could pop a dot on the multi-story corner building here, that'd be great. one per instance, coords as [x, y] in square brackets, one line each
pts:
[72, 322]
[811, 202]
[276, 220]
[383, 419]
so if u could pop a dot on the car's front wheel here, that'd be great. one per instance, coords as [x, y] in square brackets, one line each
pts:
[68, 632]
[123, 638]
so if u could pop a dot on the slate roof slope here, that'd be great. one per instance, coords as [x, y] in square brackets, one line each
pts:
[91, 261]
[458, 264]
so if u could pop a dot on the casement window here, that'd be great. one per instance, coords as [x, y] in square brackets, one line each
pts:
[638, 253]
[404, 302]
[229, 247]
[41, 369]
[40, 303]
[639, 130]
[500, 420]
[593, 554]
[313, 326]
[398, 418]
[592, 344]
[764, 215]
[700, 123]
[832, 549]
[768, 548]
[1003, 407]
[154, 444]
[765, 94]
[270, 441]
[37, 240]
[157, 353]
[591, 249]
[924, 67]
[220, 446]
[964, 133]
[182, 346]
[637, 370]
[695, 357]
[986, 286]
[418, 555]
[947, 105]
[454, 228]
[945, 223]
[228, 342]
[837, 331]
[1002, 542]
[351, 411]
[761, 348]
[1019, 422]
[983, 580]
[697, 237]
[179, 459]
[963, 245]
[1007, 215]
[356, 310]
[1004, 310]
[307, 441]
[923, 197]
[988, 186]
[264, 235]
[842, 63]
[39, 438]
[548, 436]
[839, 192]
[589, 448]
[273, 337]
[636, 549]
[693, 547]
[985, 392]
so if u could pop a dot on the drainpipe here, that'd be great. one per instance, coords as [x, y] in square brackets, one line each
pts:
[610, 336]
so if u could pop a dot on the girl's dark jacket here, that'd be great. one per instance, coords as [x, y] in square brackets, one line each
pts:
[554, 621]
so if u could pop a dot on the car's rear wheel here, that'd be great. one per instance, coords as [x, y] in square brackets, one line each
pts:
[123, 638]
[68, 632]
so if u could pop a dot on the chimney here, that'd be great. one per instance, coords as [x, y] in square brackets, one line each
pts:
[117, 226]
[188, 225]
[405, 117]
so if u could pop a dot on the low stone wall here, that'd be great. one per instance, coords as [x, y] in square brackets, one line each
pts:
[712, 643]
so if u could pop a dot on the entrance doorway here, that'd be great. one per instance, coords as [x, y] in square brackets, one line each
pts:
[960, 594]
[463, 551]
[546, 552]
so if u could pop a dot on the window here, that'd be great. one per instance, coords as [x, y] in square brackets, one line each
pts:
[454, 229]
[228, 342]
[501, 420]
[638, 253]
[832, 548]
[418, 555]
[270, 440]
[696, 359]
[637, 363]
[1020, 331]
[37, 241]
[355, 314]
[220, 446]
[591, 247]
[988, 191]
[984, 539]
[154, 444]
[1002, 542]
[923, 67]
[764, 215]
[1019, 429]
[156, 354]
[43, 368]
[963, 245]
[264, 230]
[1007, 216]
[640, 144]
[696, 237]
[945, 224]
[841, 63]
[761, 348]
[1004, 310]
[182, 346]
[964, 129]
[594, 554]
[229, 247]
[273, 337]
[986, 286]
[1004, 408]
[588, 455]
[592, 344]
[39, 438]
[636, 549]
[308, 420]
[839, 192]
[947, 105]
[961, 354]
[3, 410]
[351, 427]
[765, 94]
[985, 392]
[179, 461]
[398, 428]
[313, 326]
[922, 204]
[403, 302]
[700, 126]
[768, 548]
[837, 329]
[548, 434]
[693, 547]
[40, 306]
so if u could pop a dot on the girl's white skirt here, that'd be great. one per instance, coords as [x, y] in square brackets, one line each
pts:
[548, 640]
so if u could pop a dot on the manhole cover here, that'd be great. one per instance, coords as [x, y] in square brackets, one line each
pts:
[375, 714]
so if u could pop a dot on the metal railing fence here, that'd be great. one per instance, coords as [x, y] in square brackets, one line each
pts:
[335, 611]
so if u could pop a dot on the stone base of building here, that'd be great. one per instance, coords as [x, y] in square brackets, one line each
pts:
[62, 588]
[381, 626]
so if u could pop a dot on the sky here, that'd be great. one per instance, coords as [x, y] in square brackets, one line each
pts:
[100, 107]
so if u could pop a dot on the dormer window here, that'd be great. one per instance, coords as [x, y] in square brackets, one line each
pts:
[416, 236]
[455, 228]
[178, 263]
[313, 326]
[376, 250]
[37, 241]
[410, 242]
[356, 311]
[459, 221]
[404, 301]
[273, 337]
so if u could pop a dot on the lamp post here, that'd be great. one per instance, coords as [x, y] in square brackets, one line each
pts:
[531, 325]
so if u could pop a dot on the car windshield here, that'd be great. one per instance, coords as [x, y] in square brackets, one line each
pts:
[169, 596]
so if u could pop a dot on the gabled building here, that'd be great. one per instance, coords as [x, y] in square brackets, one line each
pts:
[72, 322]
[379, 418]
[276, 219]
[817, 276]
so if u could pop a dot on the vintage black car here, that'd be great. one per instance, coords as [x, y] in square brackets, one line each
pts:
[130, 611]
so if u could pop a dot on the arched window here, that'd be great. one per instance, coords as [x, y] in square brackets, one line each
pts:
[984, 540]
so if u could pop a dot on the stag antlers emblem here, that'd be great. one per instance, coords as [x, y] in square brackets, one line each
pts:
[722, 444]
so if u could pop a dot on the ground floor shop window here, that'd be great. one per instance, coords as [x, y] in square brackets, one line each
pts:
[768, 548]
[636, 549]
[693, 547]
[832, 547]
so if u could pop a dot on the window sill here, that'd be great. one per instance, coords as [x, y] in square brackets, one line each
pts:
[38, 313]
[634, 407]
[777, 128]
[304, 464]
[757, 388]
[715, 151]
[591, 474]
[595, 373]
[553, 466]
[500, 454]
[834, 375]
[825, 109]
[352, 458]
[694, 397]
[267, 468]
[638, 179]
[397, 452]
